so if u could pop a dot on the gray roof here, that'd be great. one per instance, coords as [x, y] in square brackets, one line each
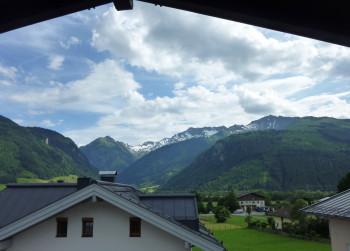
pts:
[337, 206]
[248, 193]
[19, 200]
[282, 212]
[107, 172]
[178, 206]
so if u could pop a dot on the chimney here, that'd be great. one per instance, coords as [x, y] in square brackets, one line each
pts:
[109, 176]
[84, 182]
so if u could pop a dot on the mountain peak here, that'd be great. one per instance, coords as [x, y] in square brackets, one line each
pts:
[109, 139]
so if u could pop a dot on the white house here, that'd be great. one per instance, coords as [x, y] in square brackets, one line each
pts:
[98, 215]
[337, 210]
[251, 199]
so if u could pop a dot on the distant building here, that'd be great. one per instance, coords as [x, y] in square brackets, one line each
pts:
[251, 199]
[282, 216]
[98, 215]
[337, 210]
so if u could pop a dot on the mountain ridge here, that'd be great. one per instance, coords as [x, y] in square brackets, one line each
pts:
[106, 154]
[308, 153]
[31, 152]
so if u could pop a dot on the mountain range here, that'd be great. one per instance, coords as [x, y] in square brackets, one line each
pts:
[308, 153]
[266, 123]
[272, 153]
[108, 154]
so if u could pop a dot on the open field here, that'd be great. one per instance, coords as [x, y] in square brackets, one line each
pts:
[254, 240]
[2, 187]
[68, 179]
[151, 189]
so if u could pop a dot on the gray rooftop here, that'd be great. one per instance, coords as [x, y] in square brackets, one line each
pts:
[107, 172]
[180, 207]
[19, 200]
[337, 206]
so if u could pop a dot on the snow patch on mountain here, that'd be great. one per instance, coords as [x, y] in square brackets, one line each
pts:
[265, 123]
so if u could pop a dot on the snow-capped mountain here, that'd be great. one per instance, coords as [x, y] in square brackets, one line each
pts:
[190, 133]
[270, 123]
[265, 123]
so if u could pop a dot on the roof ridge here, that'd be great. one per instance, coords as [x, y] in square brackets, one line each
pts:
[49, 184]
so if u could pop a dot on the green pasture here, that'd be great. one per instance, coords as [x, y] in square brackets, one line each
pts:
[239, 237]
[2, 187]
[151, 189]
[68, 179]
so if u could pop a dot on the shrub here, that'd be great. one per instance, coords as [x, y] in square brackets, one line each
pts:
[271, 222]
[222, 214]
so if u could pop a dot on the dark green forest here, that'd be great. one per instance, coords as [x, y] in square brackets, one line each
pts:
[106, 154]
[156, 167]
[312, 153]
[25, 153]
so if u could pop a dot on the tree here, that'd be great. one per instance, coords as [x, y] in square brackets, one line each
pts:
[267, 199]
[210, 207]
[249, 210]
[344, 183]
[200, 205]
[295, 213]
[271, 221]
[231, 202]
[222, 214]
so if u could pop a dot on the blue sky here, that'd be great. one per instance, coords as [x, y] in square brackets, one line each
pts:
[151, 72]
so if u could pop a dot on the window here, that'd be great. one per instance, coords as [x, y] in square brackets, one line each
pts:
[88, 227]
[135, 227]
[61, 227]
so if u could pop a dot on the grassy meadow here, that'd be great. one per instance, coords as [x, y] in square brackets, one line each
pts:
[236, 236]
[2, 187]
[68, 179]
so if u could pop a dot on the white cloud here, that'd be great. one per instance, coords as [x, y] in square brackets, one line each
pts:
[71, 41]
[199, 106]
[285, 87]
[47, 123]
[55, 62]
[38, 112]
[212, 51]
[179, 85]
[40, 37]
[5, 82]
[107, 86]
[8, 72]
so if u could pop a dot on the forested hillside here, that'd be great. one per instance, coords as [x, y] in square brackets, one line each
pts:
[39, 153]
[312, 153]
[158, 166]
[107, 154]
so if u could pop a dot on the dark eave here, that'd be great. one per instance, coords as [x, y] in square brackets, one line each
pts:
[326, 20]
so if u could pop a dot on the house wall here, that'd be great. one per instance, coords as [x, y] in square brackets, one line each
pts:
[340, 234]
[110, 232]
[278, 222]
[255, 203]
